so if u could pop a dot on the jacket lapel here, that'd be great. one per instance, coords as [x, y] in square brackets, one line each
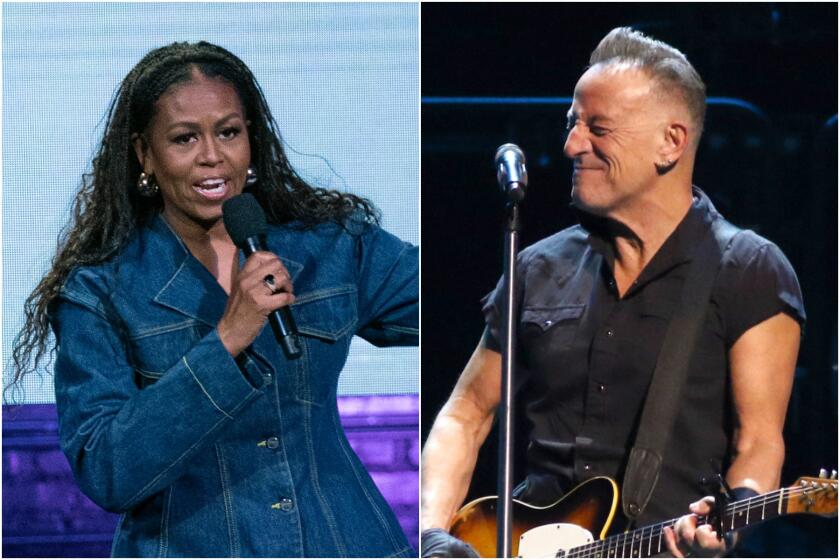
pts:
[186, 286]
[193, 291]
[276, 242]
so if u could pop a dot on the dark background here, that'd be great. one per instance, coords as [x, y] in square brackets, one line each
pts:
[768, 160]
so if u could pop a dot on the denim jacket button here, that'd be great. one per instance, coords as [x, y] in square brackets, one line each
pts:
[272, 442]
[285, 504]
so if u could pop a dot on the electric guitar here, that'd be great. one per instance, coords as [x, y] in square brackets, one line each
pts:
[576, 525]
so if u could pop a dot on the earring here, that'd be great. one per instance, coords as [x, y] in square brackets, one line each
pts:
[146, 185]
[251, 177]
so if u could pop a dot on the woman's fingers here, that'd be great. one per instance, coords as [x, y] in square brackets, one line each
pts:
[261, 286]
[266, 270]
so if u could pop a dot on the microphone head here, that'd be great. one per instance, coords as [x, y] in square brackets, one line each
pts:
[516, 152]
[244, 218]
[511, 172]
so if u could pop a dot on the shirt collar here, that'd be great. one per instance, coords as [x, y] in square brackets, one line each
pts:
[677, 249]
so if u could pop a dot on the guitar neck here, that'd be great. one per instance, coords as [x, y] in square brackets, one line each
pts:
[650, 541]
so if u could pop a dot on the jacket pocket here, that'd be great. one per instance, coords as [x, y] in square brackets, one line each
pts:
[154, 350]
[326, 320]
[327, 314]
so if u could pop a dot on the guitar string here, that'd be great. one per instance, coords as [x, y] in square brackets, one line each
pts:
[613, 544]
[740, 506]
[657, 529]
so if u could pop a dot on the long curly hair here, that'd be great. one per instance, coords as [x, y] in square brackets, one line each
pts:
[108, 208]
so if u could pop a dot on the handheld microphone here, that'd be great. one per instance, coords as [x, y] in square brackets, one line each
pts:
[511, 172]
[246, 224]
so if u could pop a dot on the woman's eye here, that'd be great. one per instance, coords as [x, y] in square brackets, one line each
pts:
[598, 131]
[182, 138]
[229, 133]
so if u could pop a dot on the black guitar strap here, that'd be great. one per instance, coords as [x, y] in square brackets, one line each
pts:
[663, 398]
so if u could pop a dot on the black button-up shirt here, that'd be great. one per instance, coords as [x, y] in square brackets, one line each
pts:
[586, 355]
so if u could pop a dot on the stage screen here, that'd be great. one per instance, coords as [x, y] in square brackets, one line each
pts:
[341, 80]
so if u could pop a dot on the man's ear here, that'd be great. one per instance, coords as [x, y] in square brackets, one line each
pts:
[675, 141]
[140, 148]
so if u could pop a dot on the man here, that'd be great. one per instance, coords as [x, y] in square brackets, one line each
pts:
[594, 305]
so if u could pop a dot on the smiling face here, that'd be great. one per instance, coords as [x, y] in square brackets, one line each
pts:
[615, 137]
[196, 146]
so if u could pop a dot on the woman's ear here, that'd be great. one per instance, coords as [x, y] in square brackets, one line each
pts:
[140, 148]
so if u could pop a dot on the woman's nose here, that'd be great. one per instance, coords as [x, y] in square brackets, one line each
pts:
[210, 153]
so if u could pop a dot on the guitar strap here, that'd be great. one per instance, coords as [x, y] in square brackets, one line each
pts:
[663, 398]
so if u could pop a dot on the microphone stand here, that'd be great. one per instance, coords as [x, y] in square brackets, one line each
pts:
[505, 482]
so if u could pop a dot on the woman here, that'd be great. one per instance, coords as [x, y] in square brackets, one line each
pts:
[176, 406]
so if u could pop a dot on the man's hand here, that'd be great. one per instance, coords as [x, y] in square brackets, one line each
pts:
[437, 543]
[686, 538]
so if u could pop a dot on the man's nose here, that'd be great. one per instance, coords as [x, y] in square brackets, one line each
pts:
[576, 142]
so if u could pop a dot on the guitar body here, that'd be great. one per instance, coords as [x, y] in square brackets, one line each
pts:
[576, 526]
[591, 505]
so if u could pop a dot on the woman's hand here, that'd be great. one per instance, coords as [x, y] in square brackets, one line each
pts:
[252, 299]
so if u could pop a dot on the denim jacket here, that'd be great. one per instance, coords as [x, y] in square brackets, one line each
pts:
[207, 455]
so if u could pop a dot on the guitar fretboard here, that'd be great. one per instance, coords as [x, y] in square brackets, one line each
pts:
[650, 541]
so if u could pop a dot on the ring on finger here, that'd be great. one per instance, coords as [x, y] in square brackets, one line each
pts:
[269, 283]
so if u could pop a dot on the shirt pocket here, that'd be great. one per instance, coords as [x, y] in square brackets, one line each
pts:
[555, 325]
[155, 350]
[654, 317]
[326, 320]
[658, 308]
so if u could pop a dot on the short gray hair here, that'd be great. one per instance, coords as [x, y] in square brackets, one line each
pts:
[663, 63]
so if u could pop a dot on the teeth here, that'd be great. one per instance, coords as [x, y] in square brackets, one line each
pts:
[210, 183]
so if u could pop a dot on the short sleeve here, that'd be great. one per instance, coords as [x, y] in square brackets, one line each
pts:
[493, 303]
[491, 307]
[757, 282]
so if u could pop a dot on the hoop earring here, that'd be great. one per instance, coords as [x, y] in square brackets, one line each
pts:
[251, 177]
[146, 185]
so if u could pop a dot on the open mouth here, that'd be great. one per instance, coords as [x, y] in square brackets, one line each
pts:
[213, 189]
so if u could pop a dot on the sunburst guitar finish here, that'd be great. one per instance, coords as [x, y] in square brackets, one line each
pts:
[590, 505]
[576, 526]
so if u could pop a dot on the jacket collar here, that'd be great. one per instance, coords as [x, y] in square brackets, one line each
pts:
[178, 281]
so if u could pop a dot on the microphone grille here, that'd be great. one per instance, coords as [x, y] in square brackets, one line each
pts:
[508, 148]
[244, 218]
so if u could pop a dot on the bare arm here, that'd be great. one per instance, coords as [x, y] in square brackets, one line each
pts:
[761, 364]
[451, 449]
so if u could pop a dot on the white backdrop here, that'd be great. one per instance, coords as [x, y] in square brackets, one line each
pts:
[342, 81]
